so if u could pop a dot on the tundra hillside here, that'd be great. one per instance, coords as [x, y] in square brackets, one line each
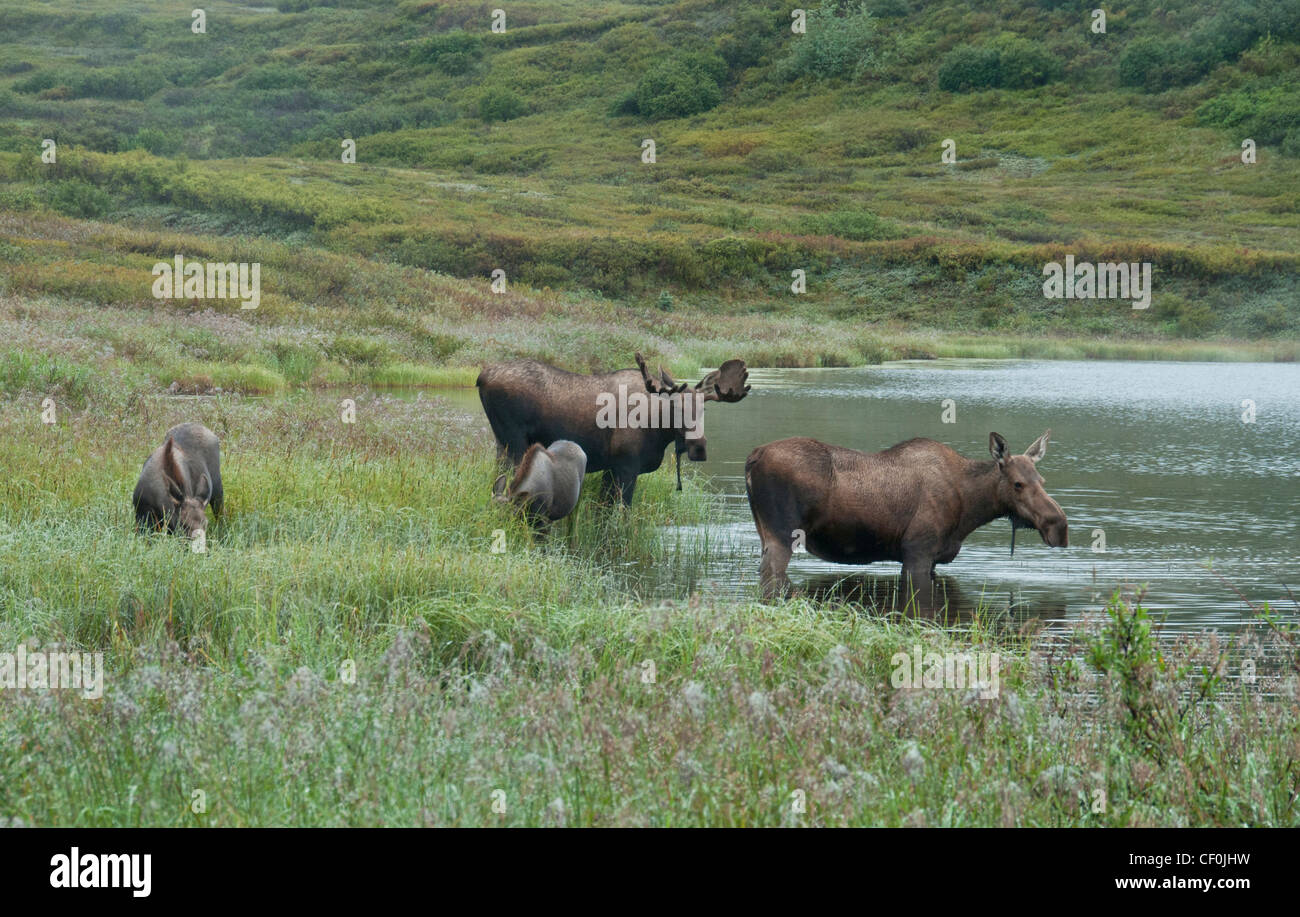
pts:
[522, 151]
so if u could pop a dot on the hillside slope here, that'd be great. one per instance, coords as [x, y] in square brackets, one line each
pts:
[523, 151]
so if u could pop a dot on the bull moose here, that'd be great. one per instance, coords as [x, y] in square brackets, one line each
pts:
[528, 402]
[914, 503]
[179, 479]
[547, 482]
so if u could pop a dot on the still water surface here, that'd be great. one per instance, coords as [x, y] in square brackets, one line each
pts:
[1154, 456]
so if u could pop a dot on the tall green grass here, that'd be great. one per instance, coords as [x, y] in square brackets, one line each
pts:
[351, 650]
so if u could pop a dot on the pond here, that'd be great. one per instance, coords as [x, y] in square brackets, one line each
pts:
[1157, 458]
[1162, 460]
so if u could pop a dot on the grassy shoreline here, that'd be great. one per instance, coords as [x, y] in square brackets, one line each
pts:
[351, 651]
[75, 304]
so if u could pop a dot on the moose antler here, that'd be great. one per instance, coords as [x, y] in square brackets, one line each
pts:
[664, 385]
[726, 383]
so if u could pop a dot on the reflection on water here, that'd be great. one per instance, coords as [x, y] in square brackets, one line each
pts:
[1151, 460]
[956, 602]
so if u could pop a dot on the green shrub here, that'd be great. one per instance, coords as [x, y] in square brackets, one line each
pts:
[1155, 64]
[1266, 116]
[75, 197]
[500, 105]
[857, 225]
[40, 81]
[46, 374]
[1022, 64]
[625, 104]
[1291, 143]
[443, 346]
[681, 86]
[456, 63]
[156, 141]
[516, 161]
[731, 257]
[746, 45]
[1187, 319]
[295, 361]
[272, 76]
[1128, 652]
[1009, 63]
[1239, 24]
[120, 83]
[363, 350]
[453, 53]
[1268, 319]
[835, 45]
[1195, 320]
[966, 68]
[888, 9]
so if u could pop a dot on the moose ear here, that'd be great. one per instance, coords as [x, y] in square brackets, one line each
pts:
[171, 471]
[499, 486]
[997, 447]
[1038, 448]
[205, 489]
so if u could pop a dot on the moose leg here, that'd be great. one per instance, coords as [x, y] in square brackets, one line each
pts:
[626, 485]
[772, 577]
[217, 499]
[608, 488]
[617, 486]
[778, 515]
[512, 449]
[776, 557]
[915, 580]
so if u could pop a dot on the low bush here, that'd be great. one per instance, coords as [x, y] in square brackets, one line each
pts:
[681, 86]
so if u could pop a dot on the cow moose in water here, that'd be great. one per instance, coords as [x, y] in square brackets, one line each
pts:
[914, 503]
[547, 483]
[179, 479]
[622, 420]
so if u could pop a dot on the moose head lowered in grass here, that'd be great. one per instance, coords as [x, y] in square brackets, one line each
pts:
[179, 479]
[547, 482]
[527, 402]
[914, 503]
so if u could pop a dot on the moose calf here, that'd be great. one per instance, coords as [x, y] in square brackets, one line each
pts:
[547, 482]
[178, 480]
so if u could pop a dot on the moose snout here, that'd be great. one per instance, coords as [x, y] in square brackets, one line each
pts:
[1056, 532]
[696, 450]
